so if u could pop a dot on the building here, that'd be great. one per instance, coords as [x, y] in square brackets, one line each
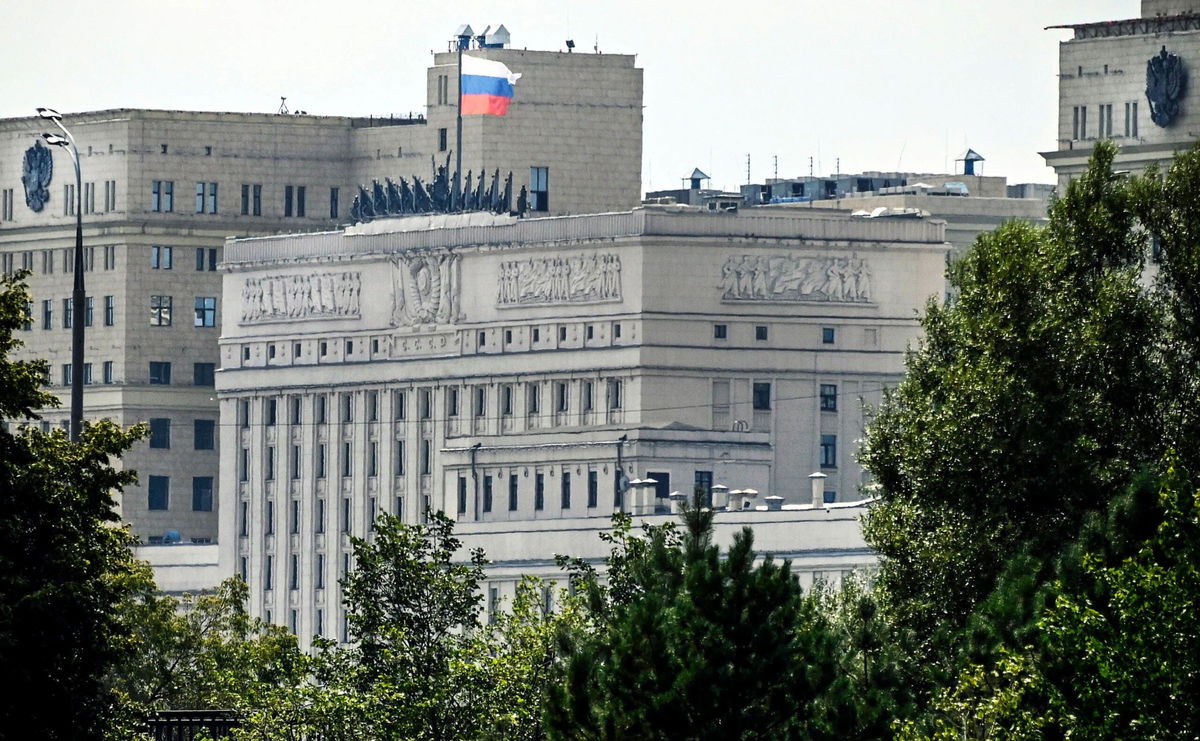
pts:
[522, 373]
[1127, 80]
[163, 189]
[970, 204]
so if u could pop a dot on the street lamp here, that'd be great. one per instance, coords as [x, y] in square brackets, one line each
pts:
[77, 295]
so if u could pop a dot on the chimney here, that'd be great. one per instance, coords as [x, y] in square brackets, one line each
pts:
[678, 499]
[720, 496]
[818, 489]
[774, 502]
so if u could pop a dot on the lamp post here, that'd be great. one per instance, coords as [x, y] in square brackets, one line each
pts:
[77, 295]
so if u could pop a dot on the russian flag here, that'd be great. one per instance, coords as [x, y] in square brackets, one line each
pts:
[487, 86]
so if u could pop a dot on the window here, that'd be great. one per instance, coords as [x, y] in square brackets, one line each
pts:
[160, 311]
[373, 459]
[828, 335]
[480, 406]
[244, 523]
[512, 493]
[760, 332]
[588, 396]
[160, 433]
[539, 491]
[87, 374]
[269, 464]
[702, 482]
[345, 514]
[269, 579]
[829, 396]
[319, 582]
[1131, 122]
[270, 517]
[319, 525]
[204, 374]
[539, 189]
[347, 459]
[562, 334]
[159, 492]
[206, 311]
[199, 259]
[617, 330]
[1104, 124]
[288, 199]
[589, 332]
[399, 464]
[204, 434]
[296, 461]
[199, 198]
[828, 451]
[68, 200]
[614, 394]
[162, 195]
[47, 314]
[294, 517]
[88, 312]
[426, 448]
[202, 493]
[1079, 122]
[593, 488]
[482, 339]
[535, 399]
[761, 396]
[7, 213]
[347, 408]
[68, 318]
[212, 198]
[462, 495]
[720, 331]
[537, 334]
[162, 258]
[333, 203]
[271, 413]
[401, 406]
[442, 144]
[506, 400]
[251, 200]
[110, 195]
[487, 493]
[110, 310]
[425, 403]
[107, 370]
[566, 490]
[160, 373]
[300, 191]
[27, 322]
[561, 396]
[452, 402]
[67, 376]
[244, 465]
[319, 408]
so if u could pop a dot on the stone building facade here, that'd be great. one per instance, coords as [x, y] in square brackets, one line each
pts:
[1121, 80]
[163, 189]
[516, 371]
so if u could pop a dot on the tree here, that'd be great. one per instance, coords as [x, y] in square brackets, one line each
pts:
[687, 642]
[1033, 400]
[200, 652]
[423, 665]
[63, 557]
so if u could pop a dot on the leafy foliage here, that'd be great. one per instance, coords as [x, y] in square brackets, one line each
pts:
[63, 559]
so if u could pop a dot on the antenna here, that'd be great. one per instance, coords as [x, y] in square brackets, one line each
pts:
[596, 44]
[810, 166]
[776, 167]
[747, 169]
[283, 104]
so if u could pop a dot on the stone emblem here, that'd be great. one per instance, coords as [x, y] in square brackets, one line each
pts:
[794, 279]
[581, 279]
[279, 298]
[36, 172]
[426, 289]
[1166, 80]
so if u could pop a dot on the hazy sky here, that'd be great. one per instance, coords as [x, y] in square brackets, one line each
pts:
[882, 84]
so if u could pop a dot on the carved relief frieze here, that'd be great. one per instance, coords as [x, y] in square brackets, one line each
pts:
[580, 279]
[426, 289]
[795, 279]
[278, 298]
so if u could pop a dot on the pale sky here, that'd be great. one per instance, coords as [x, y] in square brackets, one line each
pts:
[880, 84]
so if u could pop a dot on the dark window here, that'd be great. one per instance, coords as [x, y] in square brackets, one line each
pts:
[110, 310]
[319, 525]
[828, 335]
[87, 312]
[616, 330]
[487, 493]
[452, 402]
[720, 331]
[760, 332]
[539, 189]
[561, 397]
[202, 493]
[506, 400]
[539, 491]
[245, 201]
[300, 208]
[47, 314]
[68, 313]
[159, 489]
[590, 332]
[512, 493]
[442, 143]
[462, 494]
[535, 399]
[294, 517]
[160, 433]
[828, 451]
[271, 413]
[257, 204]
[203, 434]
[566, 490]
[614, 395]
[288, 198]
[593, 488]
[333, 203]
[828, 397]
[662, 484]
[160, 373]
[761, 396]
[702, 483]
[204, 374]
[160, 311]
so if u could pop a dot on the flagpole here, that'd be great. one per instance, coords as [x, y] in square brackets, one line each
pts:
[458, 134]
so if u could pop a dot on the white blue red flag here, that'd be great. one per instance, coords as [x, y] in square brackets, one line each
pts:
[487, 86]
